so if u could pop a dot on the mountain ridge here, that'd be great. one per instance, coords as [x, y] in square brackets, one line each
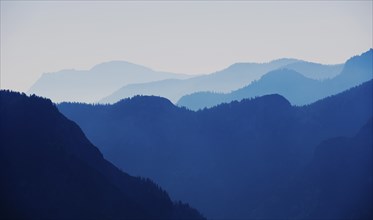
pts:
[52, 171]
[297, 88]
[217, 158]
[233, 76]
[90, 85]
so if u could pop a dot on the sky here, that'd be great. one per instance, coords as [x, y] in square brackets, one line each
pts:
[183, 37]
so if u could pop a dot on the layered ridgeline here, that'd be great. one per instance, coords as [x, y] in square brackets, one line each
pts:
[116, 80]
[298, 88]
[91, 85]
[229, 159]
[336, 184]
[234, 77]
[49, 170]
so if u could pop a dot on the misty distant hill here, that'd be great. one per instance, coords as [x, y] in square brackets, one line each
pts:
[296, 87]
[226, 160]
[91, 85]
[116, 80]
[315, 70]
[235, 76]
[50, 170]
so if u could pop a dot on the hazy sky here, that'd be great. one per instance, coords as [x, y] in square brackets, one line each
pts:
[183, 37]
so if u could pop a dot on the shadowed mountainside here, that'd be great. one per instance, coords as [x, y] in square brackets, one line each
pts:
[49, 170]
[336, 184]
[225, 160]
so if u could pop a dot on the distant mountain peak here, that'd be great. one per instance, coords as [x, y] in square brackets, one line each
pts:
[362, 55]
[369, 51]
[117, 65]
[282, 61]
[283, 72]
[285, 60]
[269, 102]
[91, 85]
[146, 101]
[271, 99]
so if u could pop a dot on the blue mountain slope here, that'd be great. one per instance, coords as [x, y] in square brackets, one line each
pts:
[91, 85]
[49, 170]
[298, 89]
[225, 160]
[283, 81]
[341, 171]
[336, 184]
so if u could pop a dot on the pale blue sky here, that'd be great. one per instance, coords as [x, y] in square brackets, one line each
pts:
[182, 37]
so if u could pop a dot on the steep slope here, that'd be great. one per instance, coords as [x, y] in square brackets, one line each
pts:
[222, 160]
[337, 183]
[298, 89]
[91, 85]
[231, 78]
[49, 170]
[342, 172]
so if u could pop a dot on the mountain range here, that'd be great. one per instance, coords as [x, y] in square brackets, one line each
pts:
[235, 76]
[234, 160]
[91, 85]
[287, 139]
[294, 86]
[50, 170]
[111, 81]
[336, 183]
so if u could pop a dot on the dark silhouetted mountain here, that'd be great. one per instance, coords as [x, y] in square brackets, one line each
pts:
[342, 172]
[91, 85]
[49, 170]
[337, 183]
[226, 80]
[225, 160]
[294, 86]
